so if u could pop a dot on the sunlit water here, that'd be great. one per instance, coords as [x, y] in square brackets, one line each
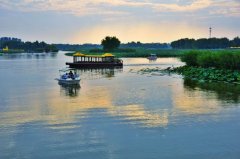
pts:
[115, 114]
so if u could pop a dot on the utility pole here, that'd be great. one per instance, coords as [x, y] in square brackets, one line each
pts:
[210, 32]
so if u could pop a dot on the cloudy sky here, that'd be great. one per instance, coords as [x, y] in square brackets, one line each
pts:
[89, 21]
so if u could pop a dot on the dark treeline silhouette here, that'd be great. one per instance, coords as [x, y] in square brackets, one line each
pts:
[75, 47]
[130, 45]
[36, 46]
[211, 43]
[145, 45]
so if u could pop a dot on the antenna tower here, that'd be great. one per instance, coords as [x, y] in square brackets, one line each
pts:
[210, 32]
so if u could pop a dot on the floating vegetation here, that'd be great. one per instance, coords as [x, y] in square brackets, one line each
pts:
[195, 73]
[153, 71]
[209, 74]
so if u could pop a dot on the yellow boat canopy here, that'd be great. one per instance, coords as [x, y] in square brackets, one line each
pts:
[79, 54]
[107, 55]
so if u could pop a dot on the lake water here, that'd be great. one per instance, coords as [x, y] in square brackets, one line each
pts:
[114, 113]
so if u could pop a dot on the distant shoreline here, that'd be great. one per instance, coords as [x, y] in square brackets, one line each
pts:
[11, 51]
[140, 52]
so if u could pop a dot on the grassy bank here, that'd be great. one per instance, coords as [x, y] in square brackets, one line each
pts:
[140, 52]
[222, 59]
[218, 65]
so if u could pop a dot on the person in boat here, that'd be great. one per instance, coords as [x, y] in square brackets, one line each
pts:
[71, 75]
[75, 74]
[65, 76]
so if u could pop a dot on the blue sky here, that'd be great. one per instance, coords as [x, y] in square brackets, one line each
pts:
[89, 21]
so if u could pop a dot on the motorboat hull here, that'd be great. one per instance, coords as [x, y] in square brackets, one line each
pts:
[63, 81]
[94, 64]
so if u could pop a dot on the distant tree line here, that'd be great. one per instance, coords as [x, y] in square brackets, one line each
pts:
[28, 46]
[129, 47]
[211, 43]
[145, 45]
[75, 47]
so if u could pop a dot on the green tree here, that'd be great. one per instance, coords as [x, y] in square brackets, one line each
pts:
[110, 43]
[236, 42]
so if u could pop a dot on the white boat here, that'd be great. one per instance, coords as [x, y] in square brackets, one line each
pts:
[68, 76]
[152, 57]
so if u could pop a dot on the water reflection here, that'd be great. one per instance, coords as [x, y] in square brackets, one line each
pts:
[137, 115]
[223, 91]
[64, 113]
[69, 90]
[29, 55]
[153, 116]
[89, 73]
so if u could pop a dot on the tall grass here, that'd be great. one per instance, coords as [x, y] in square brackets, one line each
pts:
[224, 59]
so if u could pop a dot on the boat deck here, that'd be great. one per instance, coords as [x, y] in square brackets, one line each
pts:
[94, 64]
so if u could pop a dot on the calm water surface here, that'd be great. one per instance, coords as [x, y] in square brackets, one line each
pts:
[115, 114]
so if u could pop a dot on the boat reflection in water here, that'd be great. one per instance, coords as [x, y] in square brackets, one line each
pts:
[152, 57]
[69, 90]
[93, 73]
[72, 90]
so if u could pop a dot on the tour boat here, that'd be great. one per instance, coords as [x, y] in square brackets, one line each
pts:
[106, 60]
[68, 76]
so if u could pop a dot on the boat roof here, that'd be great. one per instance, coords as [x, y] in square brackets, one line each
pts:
[78, 54]
[108, 55]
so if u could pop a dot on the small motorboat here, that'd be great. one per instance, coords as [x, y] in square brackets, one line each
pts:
[68, 76]
[152, 57]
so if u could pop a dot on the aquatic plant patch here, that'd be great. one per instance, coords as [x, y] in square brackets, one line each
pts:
[209, 74]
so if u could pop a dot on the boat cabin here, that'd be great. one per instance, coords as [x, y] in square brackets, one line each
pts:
[79, 57]
[106, 60]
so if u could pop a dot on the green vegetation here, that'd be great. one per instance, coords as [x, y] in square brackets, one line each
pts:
[211, 43]
[218, 65]
[206, 66]
[209, 74]
[16, 46]
[222, 59]
[139, 52]
[119, 50]
[96, 47]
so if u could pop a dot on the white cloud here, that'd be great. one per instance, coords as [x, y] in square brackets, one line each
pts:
[118, 7]
[226, 8]
[196, 5]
